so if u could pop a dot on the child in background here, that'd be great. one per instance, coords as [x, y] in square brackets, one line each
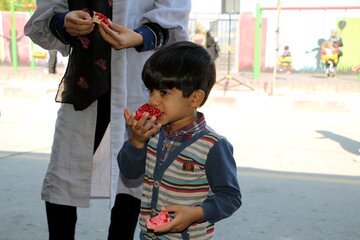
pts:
[286, 52]
[329, 57]
[285, 60]
[189, 170]
[337, 42]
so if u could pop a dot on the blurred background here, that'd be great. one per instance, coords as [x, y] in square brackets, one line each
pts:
[250, 34]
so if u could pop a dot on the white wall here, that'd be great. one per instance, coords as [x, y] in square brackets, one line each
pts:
[301, 30]
[206, 6]
[214, 6]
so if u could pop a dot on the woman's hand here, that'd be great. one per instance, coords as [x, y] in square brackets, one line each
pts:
[142, 130]
[184, 217]
[78, 23]
[120, 37]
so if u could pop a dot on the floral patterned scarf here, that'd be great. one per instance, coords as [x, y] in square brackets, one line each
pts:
[87, 76]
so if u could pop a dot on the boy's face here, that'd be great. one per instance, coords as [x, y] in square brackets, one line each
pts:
[177, 111]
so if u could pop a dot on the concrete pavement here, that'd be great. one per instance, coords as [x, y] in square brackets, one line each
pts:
[295, 154]
[276, 205]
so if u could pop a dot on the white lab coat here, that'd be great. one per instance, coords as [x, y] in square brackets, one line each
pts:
[75, 174]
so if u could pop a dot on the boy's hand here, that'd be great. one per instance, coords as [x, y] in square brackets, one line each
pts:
[78, 23]
[142, 130]
[184, 217]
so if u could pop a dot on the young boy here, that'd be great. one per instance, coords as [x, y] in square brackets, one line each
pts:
[285, 60]
[286, 52]
[189, 170]
[329, 57]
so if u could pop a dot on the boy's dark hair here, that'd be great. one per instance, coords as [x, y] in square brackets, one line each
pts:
[183, 65]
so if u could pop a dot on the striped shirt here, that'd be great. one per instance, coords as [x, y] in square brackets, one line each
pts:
[200, 171]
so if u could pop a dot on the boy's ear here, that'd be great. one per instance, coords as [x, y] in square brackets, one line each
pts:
[197, 97]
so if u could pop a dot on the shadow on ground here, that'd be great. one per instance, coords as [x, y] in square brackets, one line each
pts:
[276, 205]
[348, 144]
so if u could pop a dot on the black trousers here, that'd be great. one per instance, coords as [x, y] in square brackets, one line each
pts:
[52, 61]
[124, 216]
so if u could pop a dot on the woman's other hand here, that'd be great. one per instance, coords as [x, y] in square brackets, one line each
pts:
[120, 37]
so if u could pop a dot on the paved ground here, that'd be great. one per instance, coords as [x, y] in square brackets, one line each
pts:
[295, 153]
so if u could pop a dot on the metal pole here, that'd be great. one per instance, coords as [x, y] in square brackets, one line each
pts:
[32, 60]
[229, 44]
[272, 87]
[257, 47]
[13, 36]
[228, 75]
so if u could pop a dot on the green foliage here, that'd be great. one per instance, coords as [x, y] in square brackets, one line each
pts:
[5, 5]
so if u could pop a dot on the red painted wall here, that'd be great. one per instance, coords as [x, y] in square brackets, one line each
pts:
[247, 41]
[23, 42]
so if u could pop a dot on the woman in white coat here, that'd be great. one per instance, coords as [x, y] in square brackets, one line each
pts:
[103, 77]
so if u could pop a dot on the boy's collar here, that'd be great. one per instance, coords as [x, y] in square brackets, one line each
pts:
[188, 129]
